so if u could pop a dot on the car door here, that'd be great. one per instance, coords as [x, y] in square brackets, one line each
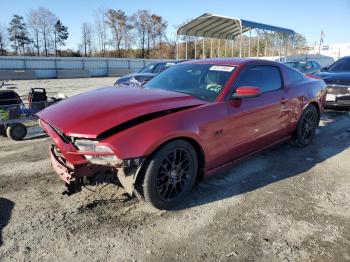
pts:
[255, 122]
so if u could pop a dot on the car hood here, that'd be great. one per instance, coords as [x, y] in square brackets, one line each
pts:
[89, 114]
[335, 77]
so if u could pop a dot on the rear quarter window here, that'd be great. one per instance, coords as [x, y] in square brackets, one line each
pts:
[293, 76]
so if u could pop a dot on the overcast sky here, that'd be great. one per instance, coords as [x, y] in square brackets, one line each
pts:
[307, 17]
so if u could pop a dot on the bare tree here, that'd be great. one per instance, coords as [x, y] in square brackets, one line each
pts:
[157, 29]
[3, 40]
[101, 30]
[141, 21]
[34, 25]
[119, 23]
[86, 33]
[47, 21]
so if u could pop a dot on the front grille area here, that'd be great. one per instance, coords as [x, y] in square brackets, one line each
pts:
[336, 89]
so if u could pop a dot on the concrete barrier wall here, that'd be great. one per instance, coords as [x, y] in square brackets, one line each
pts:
[25, 67]
[17, 74]
[73, 73]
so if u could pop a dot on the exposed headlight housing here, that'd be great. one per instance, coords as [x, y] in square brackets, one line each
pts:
[97, 154]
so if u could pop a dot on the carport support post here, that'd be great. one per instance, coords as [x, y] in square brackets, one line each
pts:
[177, 47]
[203, 54]
[250, 36]
[280, 51]
[219, 48]
[232, 42]
[265, 36]
[226, 48]
[186, 46]
[195, 48]
[240, 38]
[258, 48]
[211, 47]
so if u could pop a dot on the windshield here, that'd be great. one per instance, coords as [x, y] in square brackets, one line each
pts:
[300, 66]
[148, 69]
[342, 65]
[203, 81]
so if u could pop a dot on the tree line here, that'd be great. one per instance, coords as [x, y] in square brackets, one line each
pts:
[42, 33]
[114, 33]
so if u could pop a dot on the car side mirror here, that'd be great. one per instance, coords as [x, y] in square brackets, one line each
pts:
[324, 69]
[246, 91]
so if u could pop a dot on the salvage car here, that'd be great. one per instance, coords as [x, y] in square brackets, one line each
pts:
[145, 74]
[185, 124]
[337, 78]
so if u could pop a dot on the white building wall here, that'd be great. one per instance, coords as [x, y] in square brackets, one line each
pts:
[333, 50]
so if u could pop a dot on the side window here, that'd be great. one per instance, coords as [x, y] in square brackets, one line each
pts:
[267, 78]
[308, 66]
[293, 76]
[316, 66]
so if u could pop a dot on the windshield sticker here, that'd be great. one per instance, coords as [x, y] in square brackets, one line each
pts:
[222, 68]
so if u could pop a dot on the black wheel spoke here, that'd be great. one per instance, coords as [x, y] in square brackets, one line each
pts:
[174, 174]
[308, 125]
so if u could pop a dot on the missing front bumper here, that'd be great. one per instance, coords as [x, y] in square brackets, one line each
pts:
[77, 176]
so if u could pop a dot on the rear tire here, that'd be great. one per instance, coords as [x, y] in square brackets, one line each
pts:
[170, 174]
[16, 131]
[306, 127]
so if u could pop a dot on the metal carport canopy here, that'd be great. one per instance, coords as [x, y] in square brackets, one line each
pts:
[223, 27]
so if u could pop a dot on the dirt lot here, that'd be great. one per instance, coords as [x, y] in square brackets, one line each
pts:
[286, 204]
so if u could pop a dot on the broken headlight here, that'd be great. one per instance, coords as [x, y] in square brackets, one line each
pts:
[97, 154]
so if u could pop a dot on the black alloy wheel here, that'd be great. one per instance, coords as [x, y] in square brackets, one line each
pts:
[307, 126]
[170, 175]
[174, 174]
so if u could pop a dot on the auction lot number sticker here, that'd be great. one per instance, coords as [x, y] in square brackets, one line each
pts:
[222, 68]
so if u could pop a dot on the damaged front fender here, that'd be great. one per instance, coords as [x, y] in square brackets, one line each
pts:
[128, 173]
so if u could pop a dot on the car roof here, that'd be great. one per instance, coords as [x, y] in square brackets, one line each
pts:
[165, 61]
[301, 61]
[229, 61]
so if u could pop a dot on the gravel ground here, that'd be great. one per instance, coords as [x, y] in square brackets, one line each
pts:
[285, 204]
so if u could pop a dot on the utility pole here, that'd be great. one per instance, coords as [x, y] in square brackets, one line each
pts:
[321, 41]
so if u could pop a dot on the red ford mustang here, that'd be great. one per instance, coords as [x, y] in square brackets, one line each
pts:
[186, 123]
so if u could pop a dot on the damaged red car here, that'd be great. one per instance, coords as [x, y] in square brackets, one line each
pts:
[185, 124]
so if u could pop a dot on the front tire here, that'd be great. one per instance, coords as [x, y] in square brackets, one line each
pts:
[306, 127]
[170, 174]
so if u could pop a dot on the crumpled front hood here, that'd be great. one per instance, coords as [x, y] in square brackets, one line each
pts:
[91, 113]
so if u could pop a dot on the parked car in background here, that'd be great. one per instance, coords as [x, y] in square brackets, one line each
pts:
[337, 78]
[145, 74]
[185, 124]
[305, 67]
